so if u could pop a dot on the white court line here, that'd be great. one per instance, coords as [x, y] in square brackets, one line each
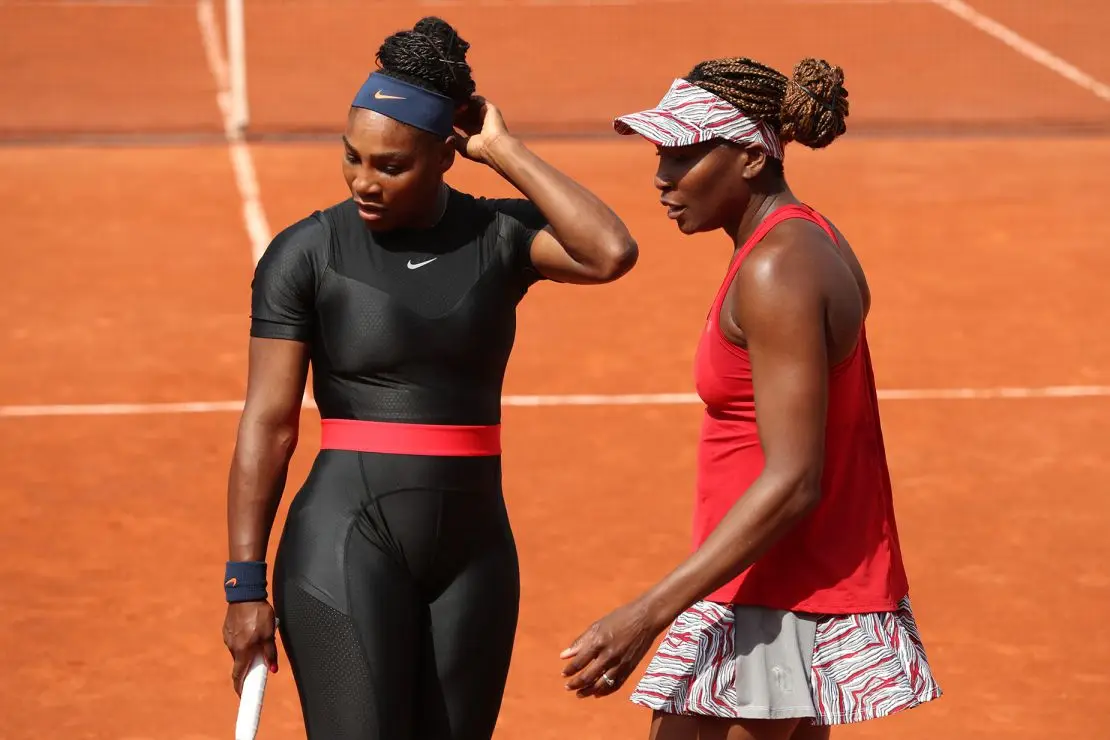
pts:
[1025, 47]
[254, 216]
[464, 3]
[242, 164]
[638, 3]
[88, 3]
[847, 2]
[629, 399]
[472, 3]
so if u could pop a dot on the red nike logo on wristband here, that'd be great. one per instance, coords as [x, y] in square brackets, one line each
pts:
[232, 582]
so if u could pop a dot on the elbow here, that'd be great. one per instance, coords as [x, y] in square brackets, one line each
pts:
[803, 500]
[618, 256]
[274, 438]
[801, 495]
[285, 440]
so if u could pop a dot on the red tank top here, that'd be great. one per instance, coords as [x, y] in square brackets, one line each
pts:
[844, 557]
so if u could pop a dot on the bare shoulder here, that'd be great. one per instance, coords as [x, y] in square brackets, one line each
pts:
[796, 282]
[793, 262]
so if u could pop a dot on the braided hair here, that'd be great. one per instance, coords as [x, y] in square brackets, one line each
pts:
[433, 56]
[810, 107]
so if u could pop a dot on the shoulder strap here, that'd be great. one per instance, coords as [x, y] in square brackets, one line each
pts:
[777, 216]
[823, 222]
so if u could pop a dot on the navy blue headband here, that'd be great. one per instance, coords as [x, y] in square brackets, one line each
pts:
[407, 103]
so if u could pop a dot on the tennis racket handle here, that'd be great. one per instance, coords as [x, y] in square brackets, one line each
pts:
[250, 701]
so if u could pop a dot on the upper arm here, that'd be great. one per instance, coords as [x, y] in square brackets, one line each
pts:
[551, 260]
[537, 251]
[780, 305]
[277, 370]
[283, 294]
[283, 291]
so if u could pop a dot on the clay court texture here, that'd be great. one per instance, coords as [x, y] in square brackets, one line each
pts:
[972, 182]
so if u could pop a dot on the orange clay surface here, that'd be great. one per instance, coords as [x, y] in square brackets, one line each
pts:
[988, 265]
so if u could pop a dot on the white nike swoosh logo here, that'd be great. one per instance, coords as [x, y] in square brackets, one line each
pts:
[412, 266]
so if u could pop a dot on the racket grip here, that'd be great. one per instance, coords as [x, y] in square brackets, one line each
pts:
[250, 701]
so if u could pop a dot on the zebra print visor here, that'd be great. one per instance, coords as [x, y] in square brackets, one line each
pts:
[688, 114]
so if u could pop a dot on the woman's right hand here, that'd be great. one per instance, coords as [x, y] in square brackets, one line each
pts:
[249, 627]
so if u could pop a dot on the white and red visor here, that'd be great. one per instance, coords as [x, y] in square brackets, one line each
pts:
[688, 114]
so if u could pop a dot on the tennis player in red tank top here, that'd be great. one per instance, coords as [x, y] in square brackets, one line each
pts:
[792, 614]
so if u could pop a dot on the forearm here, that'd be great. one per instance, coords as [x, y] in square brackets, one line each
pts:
[258, 473]
[589, 230]
[766, 511]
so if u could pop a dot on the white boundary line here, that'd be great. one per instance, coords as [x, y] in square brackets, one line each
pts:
[631, 399]
[254, 216]
[461, 3]
[1025, 47]
[636, 3]
[236, 35]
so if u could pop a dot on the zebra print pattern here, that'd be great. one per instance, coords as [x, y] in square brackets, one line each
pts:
[688, 114]
[870, 665]
[693, 671]
[864, 666]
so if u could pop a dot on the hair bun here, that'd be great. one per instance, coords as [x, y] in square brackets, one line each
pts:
[432, 55]
[445, 37]
[815, 105]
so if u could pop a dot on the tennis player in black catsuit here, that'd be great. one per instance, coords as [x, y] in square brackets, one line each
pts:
[396, 579]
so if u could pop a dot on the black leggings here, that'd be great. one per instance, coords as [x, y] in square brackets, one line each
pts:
[397, 588]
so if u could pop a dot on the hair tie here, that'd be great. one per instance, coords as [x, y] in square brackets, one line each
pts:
[442, 56]
[831, 108]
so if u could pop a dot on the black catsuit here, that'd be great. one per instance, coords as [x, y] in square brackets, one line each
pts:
[396, 579]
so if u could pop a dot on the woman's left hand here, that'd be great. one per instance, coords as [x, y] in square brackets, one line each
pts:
[605, 655]
[480, 125]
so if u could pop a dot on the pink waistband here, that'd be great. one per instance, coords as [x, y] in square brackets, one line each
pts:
[410, 439]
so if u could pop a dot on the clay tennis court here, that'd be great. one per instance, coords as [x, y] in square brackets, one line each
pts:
[973, 184]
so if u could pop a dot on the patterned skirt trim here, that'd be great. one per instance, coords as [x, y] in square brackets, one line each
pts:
[863, 667]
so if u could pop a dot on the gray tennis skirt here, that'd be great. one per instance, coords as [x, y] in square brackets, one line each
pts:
[743, 662]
